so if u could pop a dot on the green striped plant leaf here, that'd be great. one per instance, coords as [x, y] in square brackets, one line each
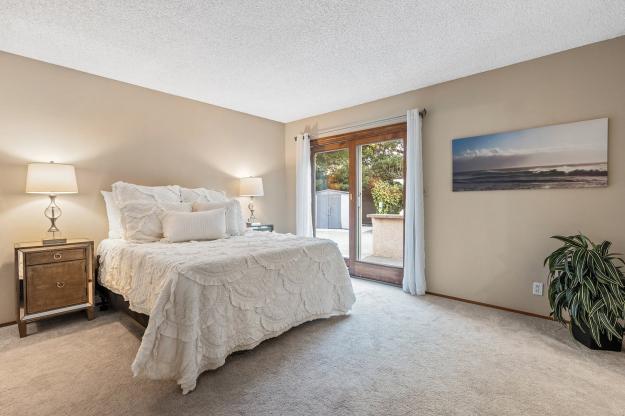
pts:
[586, 285]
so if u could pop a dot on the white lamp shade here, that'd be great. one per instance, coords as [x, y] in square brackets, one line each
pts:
[251, 187]
[51, 178]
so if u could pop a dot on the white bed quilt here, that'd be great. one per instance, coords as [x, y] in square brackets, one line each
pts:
[209, 299]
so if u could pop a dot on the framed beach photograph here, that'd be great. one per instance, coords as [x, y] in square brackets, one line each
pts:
[570, 155]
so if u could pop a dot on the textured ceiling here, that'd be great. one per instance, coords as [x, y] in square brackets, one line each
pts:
[286, 60]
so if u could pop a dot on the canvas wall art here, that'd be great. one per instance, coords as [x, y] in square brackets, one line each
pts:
[571, 155]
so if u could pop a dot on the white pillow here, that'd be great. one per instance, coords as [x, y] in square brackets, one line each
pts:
[113, 214]
[202, 195]
[187, 226]
[141, 220]
[235, 225]
[126, 192]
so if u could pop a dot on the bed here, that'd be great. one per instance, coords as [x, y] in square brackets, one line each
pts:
[208, 299]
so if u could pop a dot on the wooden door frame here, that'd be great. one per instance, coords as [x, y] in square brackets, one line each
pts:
[350, 142]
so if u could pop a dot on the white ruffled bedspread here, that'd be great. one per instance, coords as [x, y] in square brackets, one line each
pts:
[209, 299]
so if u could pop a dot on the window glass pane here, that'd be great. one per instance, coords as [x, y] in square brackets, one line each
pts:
[381, 202]
[332, 197]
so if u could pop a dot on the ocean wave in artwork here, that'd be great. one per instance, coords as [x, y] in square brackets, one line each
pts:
[533, 177]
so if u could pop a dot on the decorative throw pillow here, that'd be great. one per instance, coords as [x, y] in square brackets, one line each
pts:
[126, 192]
[113, 214]
[194, 226]
[235, 225]
[202, 195]
[141, 220]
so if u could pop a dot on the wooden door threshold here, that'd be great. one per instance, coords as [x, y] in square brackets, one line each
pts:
[368, 279]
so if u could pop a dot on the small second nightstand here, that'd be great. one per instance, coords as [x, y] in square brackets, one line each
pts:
[260, 227]
[53, 280]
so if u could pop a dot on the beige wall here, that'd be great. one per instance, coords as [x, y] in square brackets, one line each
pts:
[114, 131]
[489, 246]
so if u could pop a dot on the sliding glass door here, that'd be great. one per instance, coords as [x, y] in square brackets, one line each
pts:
[359, 199]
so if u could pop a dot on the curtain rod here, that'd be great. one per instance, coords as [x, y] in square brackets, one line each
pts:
[399, 118]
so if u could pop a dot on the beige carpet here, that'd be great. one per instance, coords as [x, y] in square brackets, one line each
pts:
[395, 355]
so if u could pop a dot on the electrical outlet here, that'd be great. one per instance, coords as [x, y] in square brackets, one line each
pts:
[537, 288]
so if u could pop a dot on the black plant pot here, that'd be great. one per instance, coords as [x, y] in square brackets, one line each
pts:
[583, 336]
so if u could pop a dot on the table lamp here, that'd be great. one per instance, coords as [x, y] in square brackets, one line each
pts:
[51, 179]
[251, 187]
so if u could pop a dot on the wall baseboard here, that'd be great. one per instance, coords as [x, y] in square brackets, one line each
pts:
[488, 305]
[473, 302]
[8, 323]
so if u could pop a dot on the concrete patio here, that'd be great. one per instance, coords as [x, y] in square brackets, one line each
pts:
[341, 237]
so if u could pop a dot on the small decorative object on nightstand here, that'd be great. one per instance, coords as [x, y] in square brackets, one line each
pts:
[260, 227]
[53, 280]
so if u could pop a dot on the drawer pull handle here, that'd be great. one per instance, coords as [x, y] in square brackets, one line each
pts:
[60, 285]
[57, 256]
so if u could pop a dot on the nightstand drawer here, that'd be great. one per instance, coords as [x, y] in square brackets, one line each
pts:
[55, 285]
[54, 256]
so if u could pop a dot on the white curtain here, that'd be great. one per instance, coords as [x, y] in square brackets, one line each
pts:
[303, 187]
[414, 245]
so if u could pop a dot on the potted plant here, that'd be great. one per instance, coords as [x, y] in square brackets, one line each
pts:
[586, 283]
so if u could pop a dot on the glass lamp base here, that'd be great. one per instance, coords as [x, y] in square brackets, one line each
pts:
[53, 212]
[252, 219]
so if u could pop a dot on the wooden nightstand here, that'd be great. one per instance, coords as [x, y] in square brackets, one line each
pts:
[53, 280]
[261, 227]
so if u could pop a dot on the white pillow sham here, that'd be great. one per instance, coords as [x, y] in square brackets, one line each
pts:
[235, 225]
[114, 215]
[202, 195]
[124, 192]
[141, 220]
[194, 226]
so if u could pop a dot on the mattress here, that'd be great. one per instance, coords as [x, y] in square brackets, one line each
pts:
[209, 299]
